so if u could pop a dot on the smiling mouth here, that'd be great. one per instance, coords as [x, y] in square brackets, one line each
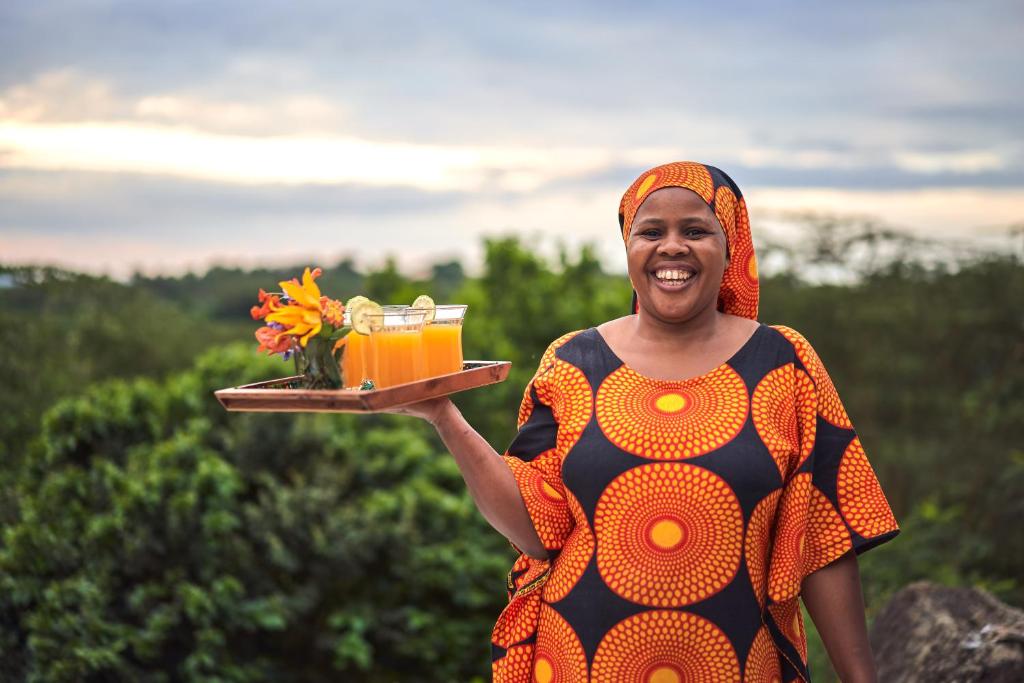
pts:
[673, 278]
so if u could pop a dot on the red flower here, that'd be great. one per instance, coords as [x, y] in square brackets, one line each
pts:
[269, 303]
[269, 341]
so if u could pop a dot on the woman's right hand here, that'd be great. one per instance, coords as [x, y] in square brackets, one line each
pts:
[430, 410]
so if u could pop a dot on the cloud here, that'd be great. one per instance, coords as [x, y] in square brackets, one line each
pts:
[179, 151]
[116, 223]
[234, 122]
[71, 96]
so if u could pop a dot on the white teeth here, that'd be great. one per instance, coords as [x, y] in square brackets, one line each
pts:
[673, 275]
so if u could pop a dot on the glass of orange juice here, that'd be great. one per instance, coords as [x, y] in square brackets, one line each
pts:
[396, 344]
[357, 362]
[442, 340]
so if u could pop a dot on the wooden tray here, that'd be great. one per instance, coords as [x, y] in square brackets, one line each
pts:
[267, 397]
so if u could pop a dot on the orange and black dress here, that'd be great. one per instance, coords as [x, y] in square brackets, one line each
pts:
[680, 516]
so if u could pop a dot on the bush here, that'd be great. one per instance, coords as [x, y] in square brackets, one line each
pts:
[160, 538]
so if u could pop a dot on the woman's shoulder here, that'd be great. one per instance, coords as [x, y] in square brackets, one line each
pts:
[573, 355]
[563, 347]
[796, 343]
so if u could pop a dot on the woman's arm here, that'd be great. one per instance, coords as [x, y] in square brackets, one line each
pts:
[834, 601]
[489, 479]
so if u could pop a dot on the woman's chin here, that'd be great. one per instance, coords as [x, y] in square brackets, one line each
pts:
[670, 311]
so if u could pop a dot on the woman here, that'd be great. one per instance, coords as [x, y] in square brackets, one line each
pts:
[681, 475]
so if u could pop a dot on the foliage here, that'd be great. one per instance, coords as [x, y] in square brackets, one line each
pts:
[519, 306]
[149, 535]
[162, 539]
[226, 293]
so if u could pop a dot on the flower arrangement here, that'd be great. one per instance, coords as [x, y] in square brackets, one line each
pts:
[303, 324]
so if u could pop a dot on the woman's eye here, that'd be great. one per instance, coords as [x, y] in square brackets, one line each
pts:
[696, 232]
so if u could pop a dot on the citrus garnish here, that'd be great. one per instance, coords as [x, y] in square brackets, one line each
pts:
[353, 301]
[360, 314]
[425, 303]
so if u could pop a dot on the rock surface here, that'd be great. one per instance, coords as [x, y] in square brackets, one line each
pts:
[934, 634]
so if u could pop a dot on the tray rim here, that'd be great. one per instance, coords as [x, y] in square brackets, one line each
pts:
[259, 397]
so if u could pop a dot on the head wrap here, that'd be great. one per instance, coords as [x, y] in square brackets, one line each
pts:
[738, 293]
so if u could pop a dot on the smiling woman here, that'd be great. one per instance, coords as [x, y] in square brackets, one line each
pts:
[676, 245]
[681, 475]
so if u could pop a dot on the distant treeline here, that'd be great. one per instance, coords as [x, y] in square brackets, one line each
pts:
[150, 536]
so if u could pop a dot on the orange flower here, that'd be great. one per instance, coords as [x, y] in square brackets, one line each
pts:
[301, 316]
[268, 301]
[270, 342]
[332, 311]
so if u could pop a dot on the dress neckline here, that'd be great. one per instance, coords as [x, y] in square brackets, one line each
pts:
[696, 378]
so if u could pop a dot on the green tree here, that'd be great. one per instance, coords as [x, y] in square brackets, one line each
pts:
[163, 539]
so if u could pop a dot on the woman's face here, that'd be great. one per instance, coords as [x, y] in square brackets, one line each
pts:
[676, 252]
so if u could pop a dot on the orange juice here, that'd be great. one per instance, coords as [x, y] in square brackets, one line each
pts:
[442, 347]
[356, 364]
[399, 355]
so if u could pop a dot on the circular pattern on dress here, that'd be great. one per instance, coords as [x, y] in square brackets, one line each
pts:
[861, 499]
[787, 564]
[545, 503]
[757, 542]
[806, 414]
[668, 534]
[790, 621]
[517, 621]
[548, 356]
[829, 406]
[525, 407]
[566, 389]
[671, 420]
[546, 359]
[773, 408]
[567, 570]
[515, 666]
[663, 645]
[827, 537]
[762, 665]
[559, 657]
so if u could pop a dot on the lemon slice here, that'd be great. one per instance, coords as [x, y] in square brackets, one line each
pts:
[353, 301]
[424, 302]
[349, 305]
[360, 314]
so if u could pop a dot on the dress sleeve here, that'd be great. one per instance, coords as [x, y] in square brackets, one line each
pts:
[831, 502]
[535, 459]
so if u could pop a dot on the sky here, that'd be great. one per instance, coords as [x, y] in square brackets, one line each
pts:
[164, 137]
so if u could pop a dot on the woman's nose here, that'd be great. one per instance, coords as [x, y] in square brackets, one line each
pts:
[673, 245]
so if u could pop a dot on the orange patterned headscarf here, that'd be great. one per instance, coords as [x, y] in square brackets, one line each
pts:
[738, 294]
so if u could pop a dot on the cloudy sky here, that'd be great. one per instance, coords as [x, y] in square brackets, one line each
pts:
[164, 136]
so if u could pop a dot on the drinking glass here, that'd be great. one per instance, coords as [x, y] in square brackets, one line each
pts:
[396, 342]
[357, 361]
[442, 340]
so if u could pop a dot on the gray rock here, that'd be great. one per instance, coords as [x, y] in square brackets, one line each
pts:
[934, 634]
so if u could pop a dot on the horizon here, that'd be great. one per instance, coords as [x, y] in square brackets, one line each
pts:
[165, 139]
